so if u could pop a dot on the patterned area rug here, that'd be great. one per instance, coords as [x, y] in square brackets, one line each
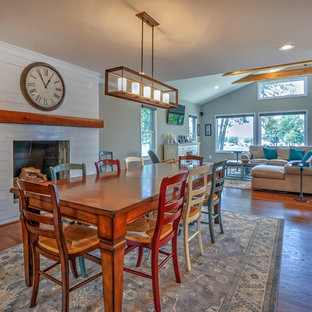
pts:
[241, 184]
[240, 272]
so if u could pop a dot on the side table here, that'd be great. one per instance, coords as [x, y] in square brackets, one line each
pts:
[237, 153]
[301, 198]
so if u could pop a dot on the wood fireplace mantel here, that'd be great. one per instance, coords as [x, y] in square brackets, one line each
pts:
[48, 120]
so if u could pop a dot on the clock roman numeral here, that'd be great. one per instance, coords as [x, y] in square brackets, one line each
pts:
[56, 96]
[45, 101]
[58, 89]
[32, 91]
[33, 76]
[31, 84]
[57, 81]
[46, 71]
[38, 98]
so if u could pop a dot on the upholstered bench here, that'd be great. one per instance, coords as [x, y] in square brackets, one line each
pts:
[268, 177]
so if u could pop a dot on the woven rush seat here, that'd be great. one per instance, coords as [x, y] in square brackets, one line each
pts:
[215, 197]
[77, 238]
[143, 229]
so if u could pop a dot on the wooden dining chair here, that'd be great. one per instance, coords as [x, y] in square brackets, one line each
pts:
[155, 159]
[133, 159]
[105, 155]
[54, 171]
[212, 204]
[50, 239]
[102, 164]
[191, 158]
[196, 195]
[66, 168]
[153, 234]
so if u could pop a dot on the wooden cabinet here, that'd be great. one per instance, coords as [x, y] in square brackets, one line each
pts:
[176, 150]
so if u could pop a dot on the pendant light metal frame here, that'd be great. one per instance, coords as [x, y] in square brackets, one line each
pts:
[119, 81]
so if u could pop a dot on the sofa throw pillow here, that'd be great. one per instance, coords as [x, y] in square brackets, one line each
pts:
[295, 154]
[270, 153]
[307, 157]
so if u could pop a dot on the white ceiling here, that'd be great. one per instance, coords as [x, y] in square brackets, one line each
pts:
[195, 37]
[200, 90]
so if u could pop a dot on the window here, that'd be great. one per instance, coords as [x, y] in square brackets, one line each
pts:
[147, 130]
[282, 88]
[283, 128]
[192, 127]
[234, 132]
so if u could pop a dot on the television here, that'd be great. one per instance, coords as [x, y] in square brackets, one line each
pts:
[176, 115]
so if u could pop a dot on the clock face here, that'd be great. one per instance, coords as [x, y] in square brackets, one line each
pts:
[42, 86]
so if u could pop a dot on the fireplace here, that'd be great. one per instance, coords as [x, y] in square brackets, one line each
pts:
[40, 155]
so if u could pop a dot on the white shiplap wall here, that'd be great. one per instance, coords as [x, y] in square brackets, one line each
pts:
[81, 100]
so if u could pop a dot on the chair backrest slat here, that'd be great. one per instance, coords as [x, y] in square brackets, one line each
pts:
[50, 233]
[100, 165]
[191, 158]
[38, 218]
[132, 159]
[67, 167]
[173, 201]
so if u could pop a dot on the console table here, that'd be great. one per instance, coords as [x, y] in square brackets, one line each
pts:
[175, 150]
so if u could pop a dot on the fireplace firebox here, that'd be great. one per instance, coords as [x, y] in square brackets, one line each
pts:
[40, 155]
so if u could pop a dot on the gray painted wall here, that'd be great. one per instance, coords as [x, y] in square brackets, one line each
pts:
[245, 100]
[121, 132]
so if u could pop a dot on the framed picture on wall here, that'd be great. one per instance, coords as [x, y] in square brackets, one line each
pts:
[198, 129]
[207, 129]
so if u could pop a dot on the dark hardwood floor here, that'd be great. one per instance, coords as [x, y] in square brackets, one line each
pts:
[295, 291]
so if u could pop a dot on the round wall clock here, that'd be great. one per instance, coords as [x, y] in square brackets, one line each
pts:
[42, 86]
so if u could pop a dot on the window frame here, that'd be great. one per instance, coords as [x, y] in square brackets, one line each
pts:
[254, 129]
[153, 131]
[194, 121]
[291, 112]
[304, 78]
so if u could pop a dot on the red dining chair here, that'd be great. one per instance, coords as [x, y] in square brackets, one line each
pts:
[153, 234]
[100, 165]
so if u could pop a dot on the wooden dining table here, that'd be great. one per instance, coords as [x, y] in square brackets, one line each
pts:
[108, 201]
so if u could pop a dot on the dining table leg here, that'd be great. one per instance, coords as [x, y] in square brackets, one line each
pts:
[111, 232]
[27, 253]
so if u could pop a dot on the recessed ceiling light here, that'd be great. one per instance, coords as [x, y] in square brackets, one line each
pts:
[216, 87]
[286, 47]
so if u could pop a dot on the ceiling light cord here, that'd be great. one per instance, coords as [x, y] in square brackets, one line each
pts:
[153, 52]
[142, 48]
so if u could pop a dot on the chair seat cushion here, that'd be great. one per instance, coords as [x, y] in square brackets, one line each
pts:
[142, 230]
[77, 238]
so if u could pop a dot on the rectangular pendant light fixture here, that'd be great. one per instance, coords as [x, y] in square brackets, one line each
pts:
[130, 85]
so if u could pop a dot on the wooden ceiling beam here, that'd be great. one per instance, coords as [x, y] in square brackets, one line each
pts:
[276, 75]
[245, 71]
